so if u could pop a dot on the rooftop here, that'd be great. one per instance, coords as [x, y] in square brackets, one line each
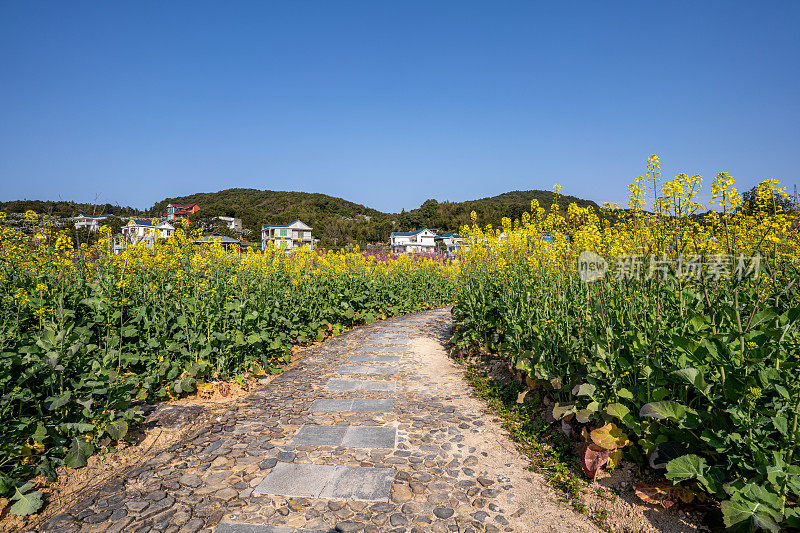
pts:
[408, 233]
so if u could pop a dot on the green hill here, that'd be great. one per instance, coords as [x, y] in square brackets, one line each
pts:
[336, 221]
[451, 216]
[546, 199]
[64, 209]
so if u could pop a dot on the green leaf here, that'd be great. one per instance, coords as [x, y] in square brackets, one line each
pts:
[761, 317]
[792, 517]
[625, 394]
[78, 452]
[6, 484]
[781, 424]
[79, 427]
[618, 410]
[52, 403]
[560, 411]
[665, 409]
[694, 377]
[743, 512]
[95, 303]
[39, 435]
[584, 389]
[117, 429]
[685, 467]
[26, 504]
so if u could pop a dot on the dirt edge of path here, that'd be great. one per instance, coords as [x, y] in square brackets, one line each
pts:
[610, 499]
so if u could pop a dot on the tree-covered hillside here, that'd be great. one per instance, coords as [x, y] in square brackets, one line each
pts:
[335, 221]
[63, 209]
[451, 216]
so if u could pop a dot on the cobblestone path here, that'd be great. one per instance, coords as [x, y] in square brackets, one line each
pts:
[374, 431]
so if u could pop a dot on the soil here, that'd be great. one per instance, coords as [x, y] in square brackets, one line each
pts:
[611, 493]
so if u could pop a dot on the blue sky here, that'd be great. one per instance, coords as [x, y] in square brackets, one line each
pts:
[390, 103]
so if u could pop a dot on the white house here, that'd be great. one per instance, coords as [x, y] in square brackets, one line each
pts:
[224, 241]
[137, 230]
[451, 241]
[89, 221]
[287, 236]
[422, 240]
[234, 224]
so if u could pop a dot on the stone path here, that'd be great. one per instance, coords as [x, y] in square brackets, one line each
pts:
[374, 431]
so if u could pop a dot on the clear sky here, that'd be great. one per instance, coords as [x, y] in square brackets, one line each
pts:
[388, 103]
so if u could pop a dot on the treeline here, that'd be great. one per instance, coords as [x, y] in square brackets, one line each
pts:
[335, 221]
[451, 216]
[65, 209]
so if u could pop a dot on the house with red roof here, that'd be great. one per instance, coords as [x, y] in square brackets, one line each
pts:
[180, 211]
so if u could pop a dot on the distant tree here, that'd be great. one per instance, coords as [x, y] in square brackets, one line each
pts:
[115, 223]
[751, 206]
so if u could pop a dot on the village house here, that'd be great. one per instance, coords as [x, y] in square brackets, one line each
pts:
[422, 240]
[287, 236]
[92, 222]
[137, 230]
[224, 241]
[450, 241]
[180, 211]
[234, 224]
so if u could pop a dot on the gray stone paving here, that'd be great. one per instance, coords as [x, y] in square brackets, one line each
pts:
[319, 435]
[372, 358]
[302, 480]
[365, 385]
[352, 405]
[386, 342]
[239, 527]
[369, 437]
[297, 456]
[372, 348]
[369, 370]
[349, 436]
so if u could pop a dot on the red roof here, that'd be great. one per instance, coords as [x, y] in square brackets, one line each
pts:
[183, 206]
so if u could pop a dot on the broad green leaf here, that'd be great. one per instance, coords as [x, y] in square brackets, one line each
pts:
[584, 389]
[745, 515]
[618, 410]
[665, 409]
[52, 403]
[117, 429]
[6, 484]
[39, 435]
[781, 424]
[694, 377]
[80, 427]
[78, 453]
[792, 517]
[685, 467]
[761, 317]
[625, 394]
[26, 504]
[560, 411]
